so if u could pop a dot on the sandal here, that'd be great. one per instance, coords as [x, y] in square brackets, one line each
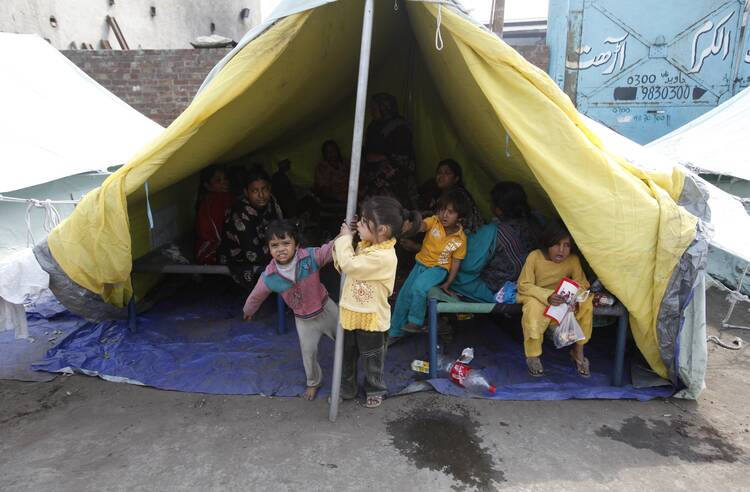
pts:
[373, 401]
[410, 328]
[582, 366]
[534, 365]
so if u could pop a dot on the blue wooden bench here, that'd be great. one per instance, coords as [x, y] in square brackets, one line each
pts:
[440, 302]
[156, 262]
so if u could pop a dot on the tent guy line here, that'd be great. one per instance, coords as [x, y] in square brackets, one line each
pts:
[36, 201]
[51, 214]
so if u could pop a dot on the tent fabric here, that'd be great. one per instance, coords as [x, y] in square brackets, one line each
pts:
[21, 227]
[476, 98]
[21, 279]
[726, 220]
[722, 212]
[715, 142]
[57, 121]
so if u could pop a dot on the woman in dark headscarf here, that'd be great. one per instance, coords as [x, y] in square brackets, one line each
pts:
[448, 175]
[389, 166]
[244, 248]
[517, 234]
[497, 251]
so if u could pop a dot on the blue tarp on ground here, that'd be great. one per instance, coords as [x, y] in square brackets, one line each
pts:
[200, 344]
[49, 323]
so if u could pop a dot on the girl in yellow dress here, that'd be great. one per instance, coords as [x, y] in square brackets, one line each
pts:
[542, 272]
[364, 312]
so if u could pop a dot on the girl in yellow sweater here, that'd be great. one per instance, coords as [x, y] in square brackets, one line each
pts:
[364, 312]
[542, 272]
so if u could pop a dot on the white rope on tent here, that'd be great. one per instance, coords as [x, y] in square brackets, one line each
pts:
[12, 199]
[507, 144]
[438, 35]
[51, 214]
[395, 5]
[149, 214]
[51, 217]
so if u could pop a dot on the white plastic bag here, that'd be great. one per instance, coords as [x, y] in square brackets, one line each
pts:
[568, 331]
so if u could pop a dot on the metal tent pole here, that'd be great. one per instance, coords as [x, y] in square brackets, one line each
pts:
[351, 201]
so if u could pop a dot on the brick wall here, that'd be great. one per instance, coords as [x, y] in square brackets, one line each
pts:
[538, 54]
[161, 83]
[158, 83]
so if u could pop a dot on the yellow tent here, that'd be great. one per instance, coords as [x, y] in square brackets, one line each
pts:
[290, 84]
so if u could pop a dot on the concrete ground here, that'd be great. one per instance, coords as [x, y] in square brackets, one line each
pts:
[82, 433]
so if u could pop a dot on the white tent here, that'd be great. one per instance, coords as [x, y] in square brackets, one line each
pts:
[56, 120]
[56, 123]
[729, 252]
[716, 142]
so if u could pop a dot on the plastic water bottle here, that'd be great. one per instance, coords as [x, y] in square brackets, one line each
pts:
[472, 380]
[477, 384]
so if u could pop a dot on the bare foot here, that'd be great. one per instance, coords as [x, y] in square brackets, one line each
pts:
[534, 365]
[310, 392]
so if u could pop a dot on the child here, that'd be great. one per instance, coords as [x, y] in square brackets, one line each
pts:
[363, 308]
[214, 201]
[294, 273]
[438, 261]
[542, 272]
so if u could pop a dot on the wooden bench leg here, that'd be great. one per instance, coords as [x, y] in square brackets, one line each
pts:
[622, 331]
[132, 320]
[432, 314]
[280, 318]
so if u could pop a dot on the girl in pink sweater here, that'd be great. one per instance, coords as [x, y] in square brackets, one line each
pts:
[294, 273]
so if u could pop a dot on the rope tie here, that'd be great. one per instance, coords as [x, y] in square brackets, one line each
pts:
[395, 5]
[735, 344]
[507, 145]
[148, 208]
[438, 35]
[51, 217]
[742, 278]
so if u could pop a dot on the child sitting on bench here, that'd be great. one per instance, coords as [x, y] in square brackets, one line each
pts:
[294, 273]
[542, 272]
[214, 202]
[438, 261]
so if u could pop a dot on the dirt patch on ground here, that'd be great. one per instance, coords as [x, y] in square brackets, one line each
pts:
[694, 443]
[446, 442]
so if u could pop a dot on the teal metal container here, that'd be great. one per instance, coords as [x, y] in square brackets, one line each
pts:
[644, 67]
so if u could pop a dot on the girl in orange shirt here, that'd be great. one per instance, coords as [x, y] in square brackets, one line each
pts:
[438, 261]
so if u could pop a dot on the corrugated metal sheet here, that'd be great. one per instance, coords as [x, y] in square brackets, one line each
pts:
[645, 68]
